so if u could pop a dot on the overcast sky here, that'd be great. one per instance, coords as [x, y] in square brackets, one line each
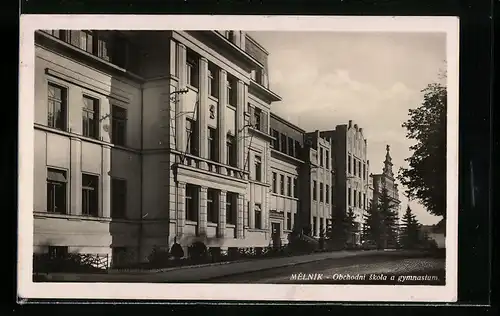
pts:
[327, 78]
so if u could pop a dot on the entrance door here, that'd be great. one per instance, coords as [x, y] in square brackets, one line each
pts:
[276, 234]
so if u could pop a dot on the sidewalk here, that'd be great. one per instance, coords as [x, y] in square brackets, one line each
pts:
[206, 272]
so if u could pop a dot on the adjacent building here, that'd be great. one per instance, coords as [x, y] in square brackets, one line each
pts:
[352, 168]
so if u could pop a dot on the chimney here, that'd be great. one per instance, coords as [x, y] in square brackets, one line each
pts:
[350, 123]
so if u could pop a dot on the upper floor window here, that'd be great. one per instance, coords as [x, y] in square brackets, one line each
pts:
[349, 164]
[90, 195]
[327, 193]
[213, 81]
[282, 184]
[119, 125]
[192, 70]
[359, 169]
[315, 188]
[364, 171]
[90, 117]
[295, 188]
[291, 150]
[297, 149]
[355, 198]
[118, 198]
[360, 201]
[349, 196]
[276, 139]
[57, 106]
[289, 186]
[321, 157]
[230, 36]
[258, 168]
[191, 137]
[355, 164]
[283, 144]
[258, 216]
[321, 192]
[327, 159]
[56, 191]
[275, 184]
[231, 150]
[87, 41]
[212, 144]
[231, 91]
[257, 113]
[231, 208]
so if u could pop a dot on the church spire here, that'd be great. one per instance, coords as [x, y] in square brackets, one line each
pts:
[388, 162]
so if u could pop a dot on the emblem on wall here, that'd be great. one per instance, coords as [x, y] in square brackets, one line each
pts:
[212, 111]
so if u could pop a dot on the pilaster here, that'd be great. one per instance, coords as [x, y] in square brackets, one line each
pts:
[221, 116]
[106, 181]
[76, 177]
[239, 216]
[203, 110]
[221, 225]
[202, 215]
[173, 58]
[180, 106]
[181, 208]
[240, 130]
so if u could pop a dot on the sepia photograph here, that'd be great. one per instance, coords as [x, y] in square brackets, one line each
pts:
[238, 158]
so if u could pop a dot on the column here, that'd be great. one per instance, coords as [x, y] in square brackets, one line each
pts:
[181, 208]
[173, 59]
[106, 181]
[239, 216]
[240, 131]
[76, 177]
[203, 110]
[221, 119]
[180, 106]
[202, 212]
[221, 225]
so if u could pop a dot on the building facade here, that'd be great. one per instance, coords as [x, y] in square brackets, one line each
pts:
[143, 137]
[352, 168]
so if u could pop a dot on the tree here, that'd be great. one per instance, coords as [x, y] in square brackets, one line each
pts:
[372, 226]
[425, 178]
[410, 230]
[389, 219]
[343, 225]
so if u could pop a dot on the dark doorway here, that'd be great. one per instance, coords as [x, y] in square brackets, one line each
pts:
[276, 234]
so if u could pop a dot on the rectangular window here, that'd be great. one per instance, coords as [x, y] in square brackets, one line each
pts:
[87, 41]
[119, 125]
[291, 151]
[349, 164]
[231, 91]
[57, 106]
[327, 194]
[289, 221]
[230, 151]
[282, 184]
[90, 195]
[315, 226]
[191, 147]
[289, 186]
[314, 190]
[349, 196]
[56, 191]
[212, 214]
[283, 144]
[192, 66]
[90, 117]
[257, 123]
[321, 225]
[191, 195]
[327, 159]
[359, 200]
[297, 149]
[212, 144]
[258, 168]
[258, 216]
[231, 208]
[364, 170]
[355, 197]
[118, 198]
[321, 192]
[213, 81]
[295, 188]
[355, 164]
[275, 184]
[276, 140]
[321, 157]
[364, 200]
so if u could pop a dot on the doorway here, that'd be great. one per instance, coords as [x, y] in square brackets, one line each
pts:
[276, 234]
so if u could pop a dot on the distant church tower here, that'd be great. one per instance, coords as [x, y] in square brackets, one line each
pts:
[386, 179]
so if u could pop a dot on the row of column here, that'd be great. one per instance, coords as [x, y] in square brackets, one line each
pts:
[202, 111]
[202, 212]
[76, 180]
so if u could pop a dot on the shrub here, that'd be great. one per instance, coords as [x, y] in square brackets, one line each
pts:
[198, 251]
[215, 254]
[176, 251]
[158, 257]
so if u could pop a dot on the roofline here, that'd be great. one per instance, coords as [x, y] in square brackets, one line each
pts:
[254, 41]
[282, 120]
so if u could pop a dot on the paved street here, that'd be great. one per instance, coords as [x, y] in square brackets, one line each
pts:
[373, 269]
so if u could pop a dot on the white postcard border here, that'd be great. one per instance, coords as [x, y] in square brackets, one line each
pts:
[27, 289]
